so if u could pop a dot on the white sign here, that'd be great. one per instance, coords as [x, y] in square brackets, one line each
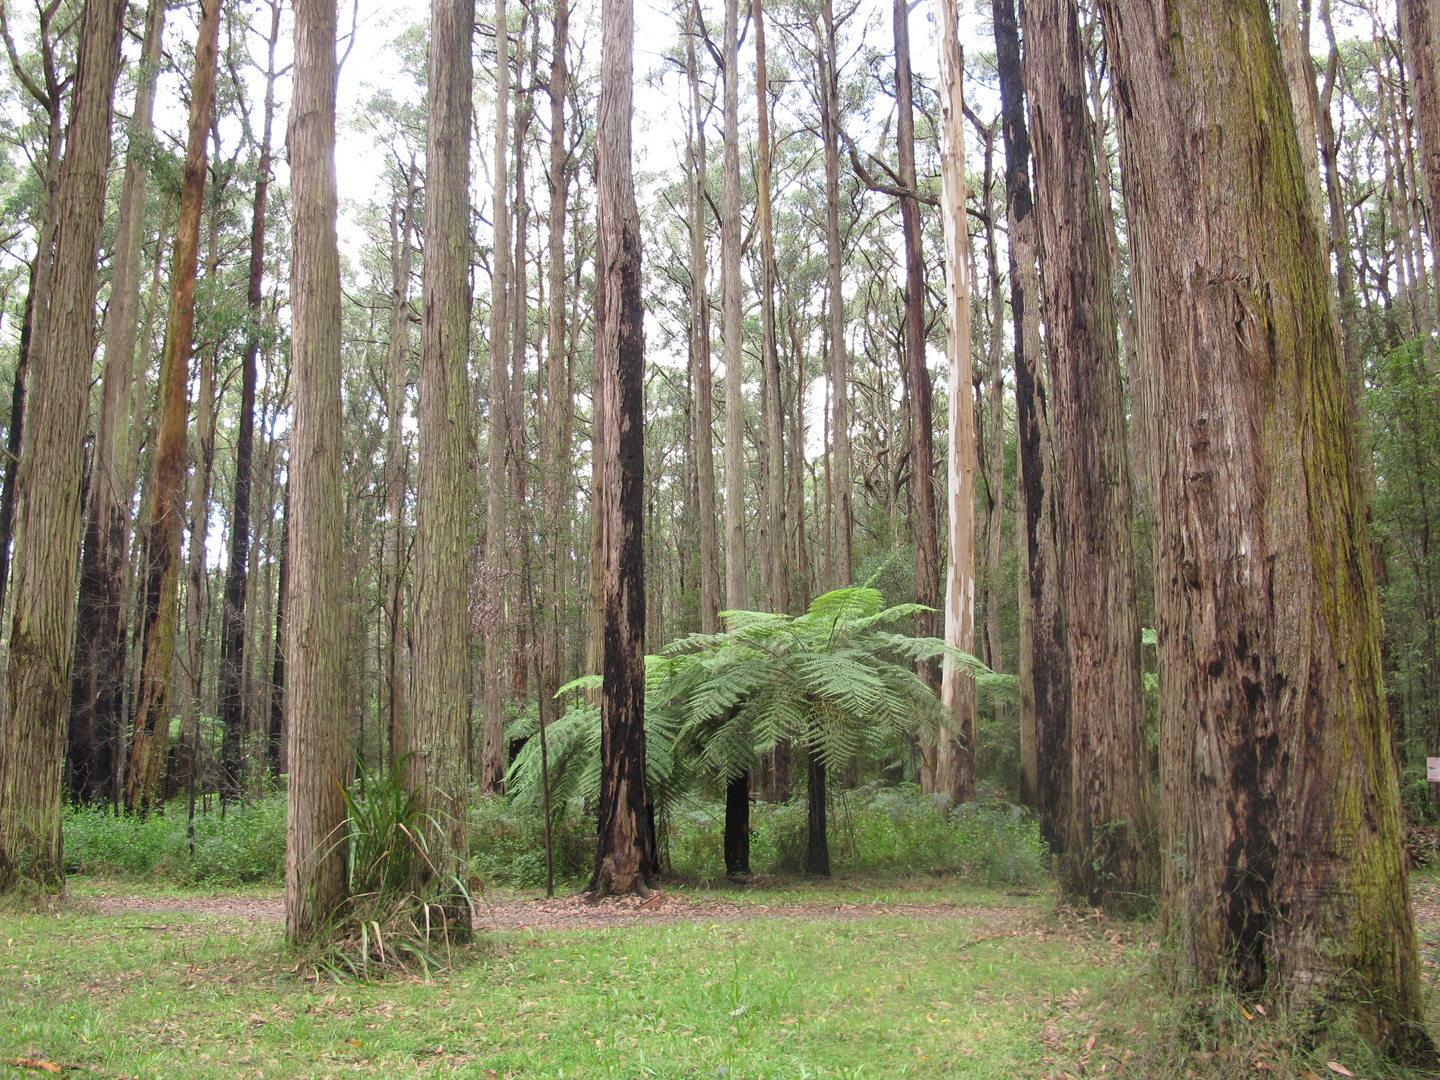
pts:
[1432, 769]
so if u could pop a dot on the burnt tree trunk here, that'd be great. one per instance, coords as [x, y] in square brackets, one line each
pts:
[1108, 855]
[232, 634]
[1044, 703]
[625, 857]
[1281, 788]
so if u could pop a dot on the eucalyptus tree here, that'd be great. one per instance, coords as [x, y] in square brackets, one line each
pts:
[1108, 856]
[625, 856]
[98, 683]
[1281, 786]
[233, 644]
[150, 729]
[314, 595]
[955, 748]
[37, 678]
[1043, 682]
[440, 721]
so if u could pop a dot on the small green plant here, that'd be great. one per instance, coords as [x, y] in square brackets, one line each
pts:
[401, 910]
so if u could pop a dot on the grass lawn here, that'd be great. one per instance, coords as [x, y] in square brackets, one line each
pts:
[793, 981]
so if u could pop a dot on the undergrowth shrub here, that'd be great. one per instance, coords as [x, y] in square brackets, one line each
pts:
[507, 843]
[247, 845]
[875, 829]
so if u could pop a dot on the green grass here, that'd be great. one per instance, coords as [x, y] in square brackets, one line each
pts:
[981, 984]
[171, 996]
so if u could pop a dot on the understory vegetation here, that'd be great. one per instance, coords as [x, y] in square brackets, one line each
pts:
[876, 829]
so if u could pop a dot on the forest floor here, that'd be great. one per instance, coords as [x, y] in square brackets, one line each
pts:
[779, 979]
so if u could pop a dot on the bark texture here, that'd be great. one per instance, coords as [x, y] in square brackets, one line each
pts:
[315, 603]
[98, 685]
[955, 749]
[1422, 37]
[625, 858]
[37, 679]
[231, 689]
[917, 373]
[439, 728]
[1280, 796]
[1106, 838]
[492, 732]
[150, 731]
[700, 351]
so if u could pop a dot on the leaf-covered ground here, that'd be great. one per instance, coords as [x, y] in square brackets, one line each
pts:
[840, 980]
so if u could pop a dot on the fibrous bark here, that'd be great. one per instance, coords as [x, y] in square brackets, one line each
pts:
[1280, 798]
[439, 725]
[150, 728]
[315, 615]
[492, 732]
[37, 680]
[98, 685]
[1108, 855]
[625, 857]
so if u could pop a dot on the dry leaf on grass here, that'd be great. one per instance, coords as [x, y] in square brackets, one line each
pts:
[34, 1063]
[1336, 1067]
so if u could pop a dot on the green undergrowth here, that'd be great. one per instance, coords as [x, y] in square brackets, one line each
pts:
[828, 980]
[244, 845]
[877, 829]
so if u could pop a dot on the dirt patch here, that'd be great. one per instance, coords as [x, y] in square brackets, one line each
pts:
[574, 912]
[215, 906]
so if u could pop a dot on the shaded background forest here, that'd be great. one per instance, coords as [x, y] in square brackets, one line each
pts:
[530, 590]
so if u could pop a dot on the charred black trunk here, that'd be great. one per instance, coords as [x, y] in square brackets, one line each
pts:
[817, 844]
[737, 825]
[276, 734]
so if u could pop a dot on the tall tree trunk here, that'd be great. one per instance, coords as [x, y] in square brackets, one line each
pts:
[97, 688]
[1108, 858]
[625, 857]
[955, 752]
[231, 691]
[276, 740]
[994, 463]
[439, 730]
[37, 679]
[557, 397]
[397, 383]
[1422, 38]
[315, 616]
[517, 454]
[492, 741]
[700, 346]
[842, 568]
[1044, 707]
[1340, 224]
[37, 304]
[777, 572]
[917, 372]
[198, 527]
[736, 578]
[1280, 776]
[737, 582]
[150, 729]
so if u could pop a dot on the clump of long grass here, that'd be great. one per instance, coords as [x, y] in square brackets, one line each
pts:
[402, 914]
